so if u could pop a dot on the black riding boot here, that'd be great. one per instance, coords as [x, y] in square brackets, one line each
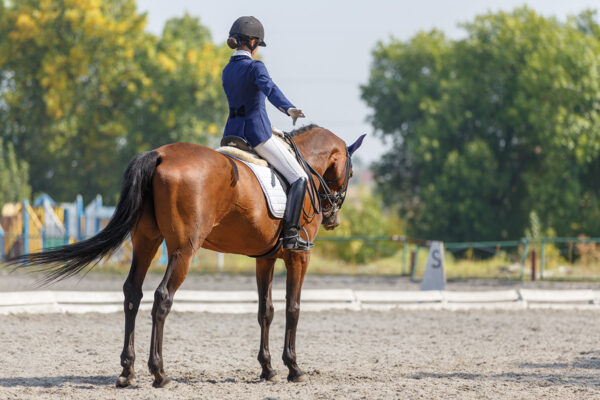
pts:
[293, 211]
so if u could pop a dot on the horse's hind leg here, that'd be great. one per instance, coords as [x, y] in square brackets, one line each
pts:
[146, 240]
[264, 280]
[179, 263]
[296, 264]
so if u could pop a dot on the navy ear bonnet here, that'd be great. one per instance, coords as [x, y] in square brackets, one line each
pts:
[354, 146]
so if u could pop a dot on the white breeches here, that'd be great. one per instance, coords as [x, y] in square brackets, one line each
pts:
[281, 159]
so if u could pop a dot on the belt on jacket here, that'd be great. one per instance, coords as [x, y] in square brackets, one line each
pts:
[240, 112]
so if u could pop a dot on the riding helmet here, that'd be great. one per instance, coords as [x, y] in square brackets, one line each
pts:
[250, 27]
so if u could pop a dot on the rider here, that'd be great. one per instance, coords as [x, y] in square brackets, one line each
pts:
[246, 83]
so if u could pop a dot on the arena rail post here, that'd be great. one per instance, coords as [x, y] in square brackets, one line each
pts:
[98, 219]
[164, 258]
[413, 263]
[25, 231]
[220, 261]
[533, 265]
[542, 257]
[404, 256]
[524, 256]
[80, 217]
[67, 225]
[1, 244]
[570, 252]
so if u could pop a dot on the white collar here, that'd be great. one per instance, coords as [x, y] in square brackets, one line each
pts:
[242, 53]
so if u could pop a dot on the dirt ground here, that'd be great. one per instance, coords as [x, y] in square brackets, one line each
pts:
[347, 355]
[525, 354]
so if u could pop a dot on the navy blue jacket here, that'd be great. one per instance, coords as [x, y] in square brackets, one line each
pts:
[247, 83]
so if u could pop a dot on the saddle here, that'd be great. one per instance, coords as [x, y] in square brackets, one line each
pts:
[273, 184]
[239, 148]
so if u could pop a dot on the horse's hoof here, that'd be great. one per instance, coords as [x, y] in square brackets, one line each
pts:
[161, 383]
[124, 381]
[298, 378]
[270, 377]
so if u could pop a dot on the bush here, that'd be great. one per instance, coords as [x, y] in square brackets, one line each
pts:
[362, 218]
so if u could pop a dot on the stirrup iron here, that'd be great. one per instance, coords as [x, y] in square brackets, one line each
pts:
[292, 240]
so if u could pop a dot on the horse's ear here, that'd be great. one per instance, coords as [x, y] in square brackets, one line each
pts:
[354, 146]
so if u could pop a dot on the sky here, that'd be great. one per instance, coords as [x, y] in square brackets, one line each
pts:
[319, 51]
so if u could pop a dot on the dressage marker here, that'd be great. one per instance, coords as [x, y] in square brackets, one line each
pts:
[434, 277]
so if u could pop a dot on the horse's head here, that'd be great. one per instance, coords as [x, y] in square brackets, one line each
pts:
[337, 176]
[330, 162]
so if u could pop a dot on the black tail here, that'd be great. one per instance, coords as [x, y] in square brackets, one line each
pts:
[62, 262]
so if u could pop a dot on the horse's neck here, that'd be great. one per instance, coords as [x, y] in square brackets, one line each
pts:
[314, 151]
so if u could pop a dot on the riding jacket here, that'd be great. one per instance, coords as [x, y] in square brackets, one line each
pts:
[247, 83]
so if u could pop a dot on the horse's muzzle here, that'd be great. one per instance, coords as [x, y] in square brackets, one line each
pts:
[331, 221]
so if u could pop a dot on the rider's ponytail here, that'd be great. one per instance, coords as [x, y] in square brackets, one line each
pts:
[233, 42]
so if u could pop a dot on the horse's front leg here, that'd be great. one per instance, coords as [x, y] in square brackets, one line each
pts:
[296, 264]
[264, 280]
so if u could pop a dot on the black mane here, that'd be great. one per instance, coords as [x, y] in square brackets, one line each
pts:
[303, 129]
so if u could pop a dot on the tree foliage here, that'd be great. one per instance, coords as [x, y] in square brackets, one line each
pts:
[486, 129]
[362, 216]
[14, 175]
[83, 87]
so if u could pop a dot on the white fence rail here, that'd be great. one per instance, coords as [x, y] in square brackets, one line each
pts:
[35, 302]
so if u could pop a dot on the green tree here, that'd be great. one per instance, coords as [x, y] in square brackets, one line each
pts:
[185, 101]
[68, 67]
[14, 176]
[486, 129]
[84, 87]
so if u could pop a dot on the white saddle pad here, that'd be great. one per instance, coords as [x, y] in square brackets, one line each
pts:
[272, 188]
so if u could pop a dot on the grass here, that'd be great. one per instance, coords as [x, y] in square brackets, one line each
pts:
[206, 262]
[502, 265]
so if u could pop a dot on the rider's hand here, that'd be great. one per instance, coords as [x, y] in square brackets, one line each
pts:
[295, 113]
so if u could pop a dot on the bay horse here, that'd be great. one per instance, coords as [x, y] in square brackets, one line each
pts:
[192, 196]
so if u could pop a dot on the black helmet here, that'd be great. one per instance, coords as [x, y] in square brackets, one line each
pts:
[250, 27]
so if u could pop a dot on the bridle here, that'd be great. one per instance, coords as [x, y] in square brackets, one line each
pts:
[334, 200]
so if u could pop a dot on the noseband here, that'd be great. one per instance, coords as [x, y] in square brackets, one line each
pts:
[334, 199]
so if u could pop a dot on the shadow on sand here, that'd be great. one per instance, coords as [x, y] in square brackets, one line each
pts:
[543, 374]
[91, 382]
[82, 382]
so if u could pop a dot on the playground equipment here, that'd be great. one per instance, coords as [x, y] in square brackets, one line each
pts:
[22, 229]
[52, 219]
[26, 228]
[96, 216]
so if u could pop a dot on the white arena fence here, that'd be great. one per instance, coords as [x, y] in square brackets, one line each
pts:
[41, 302]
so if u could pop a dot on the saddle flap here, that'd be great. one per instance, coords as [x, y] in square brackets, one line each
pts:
[273, 186]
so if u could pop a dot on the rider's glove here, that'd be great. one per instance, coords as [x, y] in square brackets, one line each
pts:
[295, 113]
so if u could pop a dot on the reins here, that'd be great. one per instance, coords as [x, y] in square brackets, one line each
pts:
[335, 200]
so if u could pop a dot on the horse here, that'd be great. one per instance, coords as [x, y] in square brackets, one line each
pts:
[193, 196]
